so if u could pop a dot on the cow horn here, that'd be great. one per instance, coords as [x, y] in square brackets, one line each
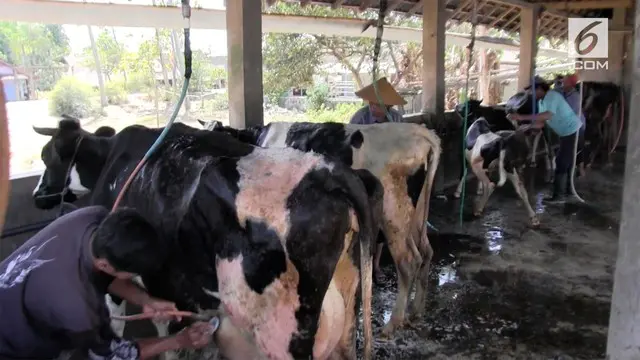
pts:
[214, 294]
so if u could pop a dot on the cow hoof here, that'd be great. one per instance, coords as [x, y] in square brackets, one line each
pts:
[477, 213]
[389, 329]
[456, 195]
[535, 221]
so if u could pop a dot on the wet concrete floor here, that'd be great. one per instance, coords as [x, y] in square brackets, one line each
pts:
[500, 289]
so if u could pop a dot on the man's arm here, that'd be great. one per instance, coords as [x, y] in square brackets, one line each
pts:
[129, 291]
[541, 117]
[113, 348]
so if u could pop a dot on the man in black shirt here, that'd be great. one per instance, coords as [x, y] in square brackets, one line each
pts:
[52, 289]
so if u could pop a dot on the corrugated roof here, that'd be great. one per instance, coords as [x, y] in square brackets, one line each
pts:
[502, 14]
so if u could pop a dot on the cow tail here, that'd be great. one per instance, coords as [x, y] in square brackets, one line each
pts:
[503, 172]
[368, 207]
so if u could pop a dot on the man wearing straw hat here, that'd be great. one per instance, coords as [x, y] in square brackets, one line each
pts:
[374, 112]
[379, 109]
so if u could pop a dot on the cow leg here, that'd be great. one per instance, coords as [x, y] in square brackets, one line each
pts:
[518, 185]
[417, 308]
[397, 222]
[462, 178]
[487, 185]
[480, 188]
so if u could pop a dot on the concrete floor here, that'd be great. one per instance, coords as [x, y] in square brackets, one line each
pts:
[501, 290]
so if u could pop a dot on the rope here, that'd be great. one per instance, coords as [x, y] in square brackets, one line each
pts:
[186, 13]
[572, 174]
[474, 23]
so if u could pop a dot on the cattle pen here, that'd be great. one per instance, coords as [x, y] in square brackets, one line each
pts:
[499, 288]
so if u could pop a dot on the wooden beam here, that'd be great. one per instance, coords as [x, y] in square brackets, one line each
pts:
[590, 4]
[459, 9]
[415, 8]
[504, 14]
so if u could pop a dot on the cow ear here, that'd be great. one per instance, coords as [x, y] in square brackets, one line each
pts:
[217, 125]
[480, 101]
[202, 122]
[45, 131]
[105, 131]
[356, 139]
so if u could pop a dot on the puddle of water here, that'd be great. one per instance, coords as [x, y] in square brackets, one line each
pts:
[448, 274]
[495, 238]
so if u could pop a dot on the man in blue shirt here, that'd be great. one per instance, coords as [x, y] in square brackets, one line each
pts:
[555, 112]
[372, 113]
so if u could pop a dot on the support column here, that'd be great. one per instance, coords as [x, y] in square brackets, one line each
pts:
[624, 333]
[528, 45]
[244, 49]
[434, 18]
[616, 45]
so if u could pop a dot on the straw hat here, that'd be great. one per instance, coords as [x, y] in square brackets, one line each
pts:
[388, 94]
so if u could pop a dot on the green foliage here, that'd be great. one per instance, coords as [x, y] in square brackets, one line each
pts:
[116, 93]
[39, 47]
[317, 97]
[71, 97]
[204, 73]
[220, 102]
[289, 60]
[340, 113]
[109, 51]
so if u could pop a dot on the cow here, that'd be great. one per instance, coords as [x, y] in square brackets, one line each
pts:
[264, 236]
[601, 102]
[404, 157]
[484, 147]
[496, 116]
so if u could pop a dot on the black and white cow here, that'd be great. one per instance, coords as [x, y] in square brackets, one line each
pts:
[404, 157]
[496, 116]
[507, 148]
[494, 141]
[268, 234]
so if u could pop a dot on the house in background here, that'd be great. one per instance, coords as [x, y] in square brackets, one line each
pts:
[15, 83]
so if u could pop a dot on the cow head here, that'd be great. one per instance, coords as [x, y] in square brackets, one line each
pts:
[249, 135]
[73, 162]
[517, 150]
[473, 104]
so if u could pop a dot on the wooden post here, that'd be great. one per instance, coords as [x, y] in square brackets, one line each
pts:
[624, 333]
[244, 47]
[528, 44]
[434, 18]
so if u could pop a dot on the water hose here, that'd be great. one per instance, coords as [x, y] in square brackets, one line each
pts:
[615, 144]
[466, 115]
[572, 173]
[186, 13]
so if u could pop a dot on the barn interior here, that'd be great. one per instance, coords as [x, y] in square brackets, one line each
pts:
[499, 289]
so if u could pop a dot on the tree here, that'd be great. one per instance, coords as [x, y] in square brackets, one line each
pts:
[353, 53]
[98, 67]
[110, 54]
[39, 51]
[289, 60]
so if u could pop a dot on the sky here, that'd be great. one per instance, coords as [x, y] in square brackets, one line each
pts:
[215, 41]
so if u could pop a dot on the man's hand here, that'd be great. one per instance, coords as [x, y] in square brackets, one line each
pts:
[513, 117]
[158, 308]
[195, 336]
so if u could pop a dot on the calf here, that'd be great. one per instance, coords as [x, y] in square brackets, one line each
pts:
[271, 232]
[404, 157]
[509, 149]
[496, 116]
